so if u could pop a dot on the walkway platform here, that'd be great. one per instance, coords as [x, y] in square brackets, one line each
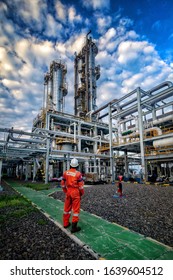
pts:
[110, 241]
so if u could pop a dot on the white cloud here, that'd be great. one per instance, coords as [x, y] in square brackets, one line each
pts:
[133, 64]
[72, 45]
[18, 94]
[35, 52]
[72, 15]
[107, 90]
[129, 52]
[103, 22]
[53, 28]
[105, 59]
[42, 51]
[30, 9]
[3, 6]
[107, 39]
[10, 83]
[61, 11]
[67, 15]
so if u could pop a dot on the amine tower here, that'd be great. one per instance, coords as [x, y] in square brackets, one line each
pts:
[55, 86]
[86, 75]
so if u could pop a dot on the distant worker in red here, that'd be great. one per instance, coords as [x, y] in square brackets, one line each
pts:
[72, 185]
[120, 187]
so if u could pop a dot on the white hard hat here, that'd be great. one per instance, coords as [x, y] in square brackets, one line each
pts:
[74, 162]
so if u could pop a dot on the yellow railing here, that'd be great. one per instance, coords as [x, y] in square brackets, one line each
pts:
[158, 151]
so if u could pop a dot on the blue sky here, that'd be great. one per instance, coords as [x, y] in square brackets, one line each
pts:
[134, 39]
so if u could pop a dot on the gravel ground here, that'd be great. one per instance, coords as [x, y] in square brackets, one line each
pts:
[146, 209]
[34, 237]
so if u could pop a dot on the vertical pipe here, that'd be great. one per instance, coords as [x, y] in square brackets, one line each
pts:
[47, 161]
[90, 78]
[45, 95]
[86, 166]
[64, 163]
[34, 171]
[154, 113]
[49, 94]
[47, 121]
[110, 144]
[79, 139]
[87, 75]
[68, 161]
[141, 132]
[95, 142]
[52, 124]
[75, 84]
[74, 132]
[99, 168]
[95, 165]
[26, 172]
[0, 172]
[126, 163]
[119, 127]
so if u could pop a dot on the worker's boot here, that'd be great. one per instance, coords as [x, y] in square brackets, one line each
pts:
[75, 228]
[67, 225]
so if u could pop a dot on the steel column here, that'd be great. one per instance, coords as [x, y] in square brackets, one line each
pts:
[141, 132]
[110, 144]
[0, 171]
[47, 161]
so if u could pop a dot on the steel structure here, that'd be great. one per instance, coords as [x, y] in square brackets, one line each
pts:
[86, 75]
[140, 122]
[144, 121]
[139, 129]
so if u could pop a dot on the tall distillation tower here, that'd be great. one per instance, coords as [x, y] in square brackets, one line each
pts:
[55, 86]
[86, 74]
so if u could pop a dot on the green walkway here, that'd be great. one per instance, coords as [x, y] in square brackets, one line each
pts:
[109, 240]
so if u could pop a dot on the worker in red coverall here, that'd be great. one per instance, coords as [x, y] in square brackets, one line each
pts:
[72, 185]
[120, 187]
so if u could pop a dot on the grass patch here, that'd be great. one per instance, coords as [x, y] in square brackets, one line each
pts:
[14, 206]
[18, 213]
[13, 200]
[37, 186]
[41, 222]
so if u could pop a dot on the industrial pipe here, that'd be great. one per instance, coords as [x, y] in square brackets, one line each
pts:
[164, 119]
[26, 140]
[164, 84]
[103, 107]
[163, 142]
[159, 131]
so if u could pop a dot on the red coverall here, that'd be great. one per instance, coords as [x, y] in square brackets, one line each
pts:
[120, 178]
[72, 185]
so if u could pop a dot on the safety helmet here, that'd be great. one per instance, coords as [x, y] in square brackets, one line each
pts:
[74, 162]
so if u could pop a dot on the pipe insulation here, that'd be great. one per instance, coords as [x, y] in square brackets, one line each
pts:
[164, 119]
[157, 129]
[163, 142]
